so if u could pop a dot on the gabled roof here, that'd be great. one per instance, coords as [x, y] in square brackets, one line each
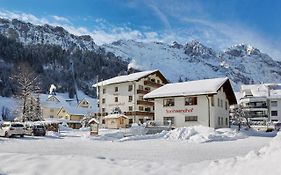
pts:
[76, 110]
[272, 90]
[129, 78]
[198, 87]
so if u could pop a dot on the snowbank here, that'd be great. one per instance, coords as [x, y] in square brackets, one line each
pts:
[144, 137]
[264, 161]
[200, 134]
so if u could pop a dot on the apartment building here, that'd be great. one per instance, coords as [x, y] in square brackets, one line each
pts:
[203, 102]
[124, 95]
[262, 102]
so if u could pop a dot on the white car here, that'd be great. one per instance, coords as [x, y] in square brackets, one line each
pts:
[9, 129]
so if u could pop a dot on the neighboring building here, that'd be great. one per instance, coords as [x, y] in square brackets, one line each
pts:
[73, 115]
[50, 105]
[115, 121]
[56, 108]
[124, 95]
[203, 102]
[262, 102]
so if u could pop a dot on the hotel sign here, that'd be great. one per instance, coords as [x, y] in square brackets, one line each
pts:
[179, 110]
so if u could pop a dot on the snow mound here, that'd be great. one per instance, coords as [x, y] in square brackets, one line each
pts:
[201, 134]
[144, 137]
[135, 129]
[264, 161]
[53, 134]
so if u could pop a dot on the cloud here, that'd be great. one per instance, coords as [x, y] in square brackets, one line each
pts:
[61, 18]
[217, 34]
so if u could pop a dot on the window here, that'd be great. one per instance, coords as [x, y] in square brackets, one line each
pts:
[116, 99]
[103, 91]
[226, 121]
[190, 101]
[140, 87]
[130, 108]
[274, 113]
[153, 80]
[51, 116]
[191, 118]
[273, 103]
[140, 97]
[147, 109]
[116, 89]
[218, 102]
[168, 102]
[103, 100]
[130, 98]
[221, 103]
[226, 107]
[131, 121]
[168, 120]
[103, 109]
[158, 81]
[141, 108]
[98, 105]
[147, 89]
[219, 120]
[130, 87]
[212, 101]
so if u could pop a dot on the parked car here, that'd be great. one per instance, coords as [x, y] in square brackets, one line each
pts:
[36, 130]
[9, 129]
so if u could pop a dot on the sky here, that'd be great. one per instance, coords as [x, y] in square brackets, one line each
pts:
[215, 23]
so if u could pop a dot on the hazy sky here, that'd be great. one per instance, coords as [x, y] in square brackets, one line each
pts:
[215, 23]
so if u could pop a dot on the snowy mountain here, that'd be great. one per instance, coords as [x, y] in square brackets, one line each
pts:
[28, 33]
[244, 64]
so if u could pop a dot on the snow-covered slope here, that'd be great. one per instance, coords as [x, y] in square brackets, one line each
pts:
[28, 33]
[244, 64]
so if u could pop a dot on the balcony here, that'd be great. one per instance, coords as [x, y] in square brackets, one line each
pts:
[141, 91]
[144, 102]
[131, 113]
[151, 83]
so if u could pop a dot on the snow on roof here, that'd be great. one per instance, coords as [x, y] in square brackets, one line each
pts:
[115, 116]
[77, 110]
[263, 90]
[93, 120]
[125, 78]
[198, 87]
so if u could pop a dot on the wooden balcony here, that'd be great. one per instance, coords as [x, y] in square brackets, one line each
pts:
[151, 83]
[101, 114]
[130, 113]
[142, 91]
[146, 103]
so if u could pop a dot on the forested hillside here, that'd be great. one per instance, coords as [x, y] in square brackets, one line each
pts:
[53, 65]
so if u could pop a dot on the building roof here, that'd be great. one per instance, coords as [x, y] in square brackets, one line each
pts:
[77, 110]
[128, 78]
[272, 90]
[115, 116]
[198, 87]
[93, 120]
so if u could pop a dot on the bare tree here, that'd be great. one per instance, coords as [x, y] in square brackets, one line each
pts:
[27, 82]
[241, 115]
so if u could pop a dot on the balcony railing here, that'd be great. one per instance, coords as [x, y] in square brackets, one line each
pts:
[255, 106]
[130, 113]
[142, 91]
[151, 83]
[144, 102]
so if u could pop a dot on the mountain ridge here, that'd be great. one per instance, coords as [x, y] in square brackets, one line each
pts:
[242, 63]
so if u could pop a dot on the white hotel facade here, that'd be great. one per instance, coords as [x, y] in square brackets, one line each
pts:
[202, 102]
[124, 95]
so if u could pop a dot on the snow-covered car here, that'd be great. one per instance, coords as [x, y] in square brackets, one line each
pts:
[9, 129]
